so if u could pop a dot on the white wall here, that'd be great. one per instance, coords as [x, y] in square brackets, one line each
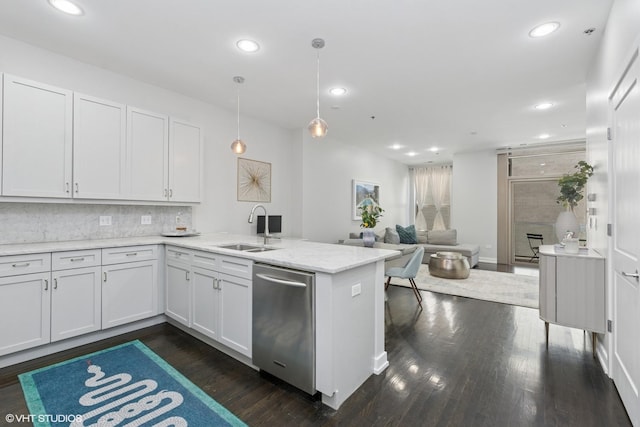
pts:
[474, 200]
[219, 210]
[328, 168]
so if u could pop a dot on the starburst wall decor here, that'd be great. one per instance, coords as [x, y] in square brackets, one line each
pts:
[254, 181]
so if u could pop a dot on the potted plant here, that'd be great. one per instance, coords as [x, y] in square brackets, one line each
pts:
[571, 192]
[370, 213]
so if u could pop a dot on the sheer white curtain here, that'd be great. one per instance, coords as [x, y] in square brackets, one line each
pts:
[422, 194]
[440, 186]
[432, 188]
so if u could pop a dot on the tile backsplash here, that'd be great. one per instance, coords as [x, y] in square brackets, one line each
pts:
[50, 222]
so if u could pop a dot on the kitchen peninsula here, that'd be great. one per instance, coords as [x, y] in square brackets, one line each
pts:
[349, 298]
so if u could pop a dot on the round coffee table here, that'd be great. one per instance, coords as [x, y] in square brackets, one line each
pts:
[449, 265]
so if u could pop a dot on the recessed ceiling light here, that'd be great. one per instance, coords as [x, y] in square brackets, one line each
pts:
[433, 149]
[412, 153]
[247, 45]
[396, 146]
[338, 91]
[67, 7]
[543, 106]
[544, 136]
[544, 29]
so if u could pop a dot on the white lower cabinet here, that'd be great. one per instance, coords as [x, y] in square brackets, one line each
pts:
[178, 304]
[129, 289]
[25, 306]
[217, 289]
[75, 294]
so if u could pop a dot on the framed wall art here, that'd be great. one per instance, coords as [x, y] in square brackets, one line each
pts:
[254, 181]
[364, 192]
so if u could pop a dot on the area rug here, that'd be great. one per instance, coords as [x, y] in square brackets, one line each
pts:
[506, 288]
[124, 385]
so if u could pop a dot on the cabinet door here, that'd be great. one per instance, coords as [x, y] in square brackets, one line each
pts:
[75, 302]
[205, 302]
[235, 313]
[580, 293]
[25, 307]
[184, 162]
[129, 292]
[178, 292]
[37, 139]
[147, 152]
[99, 148]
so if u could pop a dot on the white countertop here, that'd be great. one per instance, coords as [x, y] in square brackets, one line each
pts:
[292, 253]
[558, 250]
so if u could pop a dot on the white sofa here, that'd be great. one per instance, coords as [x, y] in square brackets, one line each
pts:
[432, 241]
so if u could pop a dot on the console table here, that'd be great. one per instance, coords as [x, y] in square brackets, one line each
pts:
[572, 290]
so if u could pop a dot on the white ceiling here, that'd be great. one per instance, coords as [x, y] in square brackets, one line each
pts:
[460, 75]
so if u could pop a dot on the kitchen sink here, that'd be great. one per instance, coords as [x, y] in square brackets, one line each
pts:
[246, 248]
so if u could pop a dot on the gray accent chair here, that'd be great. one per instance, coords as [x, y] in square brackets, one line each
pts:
[409, 271]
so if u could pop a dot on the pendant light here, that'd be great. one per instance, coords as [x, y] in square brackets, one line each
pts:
[237, 146]
[317, 126]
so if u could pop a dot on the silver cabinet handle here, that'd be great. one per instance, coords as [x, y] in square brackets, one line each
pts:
[76, 259]
[46, 285]
[635, 275]
[55, 283]
[187, 276]
[104, 277]
[24, 264]
[66, 186]
[77, 188]
[132, 254]
[170, 192]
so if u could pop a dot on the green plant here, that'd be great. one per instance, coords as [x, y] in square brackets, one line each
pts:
[572, 185]
[370, 214]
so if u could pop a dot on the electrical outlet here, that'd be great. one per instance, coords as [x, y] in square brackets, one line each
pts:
[145, 219]
[356, 289]
[105, 220]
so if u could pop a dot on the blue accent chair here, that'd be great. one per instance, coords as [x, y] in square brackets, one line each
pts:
[409, 271]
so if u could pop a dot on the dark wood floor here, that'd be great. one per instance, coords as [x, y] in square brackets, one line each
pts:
[457, 362]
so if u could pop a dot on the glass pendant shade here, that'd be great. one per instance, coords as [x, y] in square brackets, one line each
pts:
[238, 147]
[318, 127]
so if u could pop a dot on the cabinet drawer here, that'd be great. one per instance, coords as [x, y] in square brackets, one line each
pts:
[206, 260]
[239, 267]
[178, 254]
[13, 265]
[129, 254]
[75, 259]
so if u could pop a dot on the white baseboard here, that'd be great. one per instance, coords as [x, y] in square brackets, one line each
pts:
[488, 260]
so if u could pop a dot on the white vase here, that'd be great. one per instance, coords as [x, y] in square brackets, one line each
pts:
[368, 237]
[567, 221]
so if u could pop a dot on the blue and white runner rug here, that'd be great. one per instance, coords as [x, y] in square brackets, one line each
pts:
[126, 385]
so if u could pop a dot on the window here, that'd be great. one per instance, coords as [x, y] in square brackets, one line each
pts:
[432, 189]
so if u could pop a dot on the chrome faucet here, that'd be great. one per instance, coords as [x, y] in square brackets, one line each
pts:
[266, 221]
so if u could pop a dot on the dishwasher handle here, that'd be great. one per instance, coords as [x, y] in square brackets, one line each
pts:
[282, 281]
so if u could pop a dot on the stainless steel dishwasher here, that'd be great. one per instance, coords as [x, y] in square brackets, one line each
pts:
[284, 324]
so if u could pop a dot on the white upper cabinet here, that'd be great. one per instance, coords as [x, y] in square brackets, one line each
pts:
[185, 145]
[60, 144]
[99, 148]
[147, 155]
[36, 139]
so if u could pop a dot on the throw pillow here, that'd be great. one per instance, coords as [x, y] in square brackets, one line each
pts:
[421, 236]
[443, 237]
[391, 236]
[407, 234]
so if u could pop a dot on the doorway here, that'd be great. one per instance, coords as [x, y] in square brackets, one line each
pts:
[527, 207]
